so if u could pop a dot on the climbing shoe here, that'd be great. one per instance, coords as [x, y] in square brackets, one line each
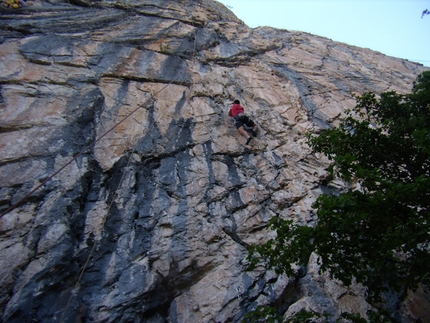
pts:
[249, 140]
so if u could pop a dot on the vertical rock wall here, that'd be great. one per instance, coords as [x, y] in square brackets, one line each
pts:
[151, 223]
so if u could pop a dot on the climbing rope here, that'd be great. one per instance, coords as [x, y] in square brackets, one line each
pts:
[74, 290]
[14, 206]
[96, 242]
[94, 246]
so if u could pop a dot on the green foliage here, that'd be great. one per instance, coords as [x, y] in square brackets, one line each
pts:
[352, 318]
[293, 245]
[305, 316]
[379, 233]
[381, 316]
[165, 49]
[270, 315]
[262, 314]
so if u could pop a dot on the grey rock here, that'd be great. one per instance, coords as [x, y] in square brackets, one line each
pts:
[152, 216]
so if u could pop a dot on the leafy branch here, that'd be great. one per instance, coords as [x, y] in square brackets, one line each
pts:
[377, 234]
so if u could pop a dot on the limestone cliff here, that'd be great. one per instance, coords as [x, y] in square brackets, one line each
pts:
[152, 221]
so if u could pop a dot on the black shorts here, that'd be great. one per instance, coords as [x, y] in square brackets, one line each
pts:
[243, 120]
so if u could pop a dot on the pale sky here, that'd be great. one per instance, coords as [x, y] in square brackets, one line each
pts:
[392, 27]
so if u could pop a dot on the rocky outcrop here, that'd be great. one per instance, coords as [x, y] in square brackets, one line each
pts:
[152, 220]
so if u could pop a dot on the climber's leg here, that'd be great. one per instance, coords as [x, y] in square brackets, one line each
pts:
[243, 132]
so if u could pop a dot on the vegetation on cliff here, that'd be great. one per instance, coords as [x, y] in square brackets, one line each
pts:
[376, 233]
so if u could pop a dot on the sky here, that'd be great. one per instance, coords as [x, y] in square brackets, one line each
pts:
[392, 27]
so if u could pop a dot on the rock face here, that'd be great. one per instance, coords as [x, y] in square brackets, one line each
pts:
[152, 220]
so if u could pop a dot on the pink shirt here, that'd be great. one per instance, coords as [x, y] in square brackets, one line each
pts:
[236, 109]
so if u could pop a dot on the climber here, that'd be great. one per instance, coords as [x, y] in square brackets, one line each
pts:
[243, 122]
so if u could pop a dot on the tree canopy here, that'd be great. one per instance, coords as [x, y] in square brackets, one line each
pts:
[377, 233]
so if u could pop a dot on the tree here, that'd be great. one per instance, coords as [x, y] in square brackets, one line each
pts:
[378, 233]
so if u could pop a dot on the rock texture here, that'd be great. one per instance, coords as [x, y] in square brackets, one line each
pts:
[152, 221]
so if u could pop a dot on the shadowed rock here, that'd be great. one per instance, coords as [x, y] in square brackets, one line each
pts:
[160, 211]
